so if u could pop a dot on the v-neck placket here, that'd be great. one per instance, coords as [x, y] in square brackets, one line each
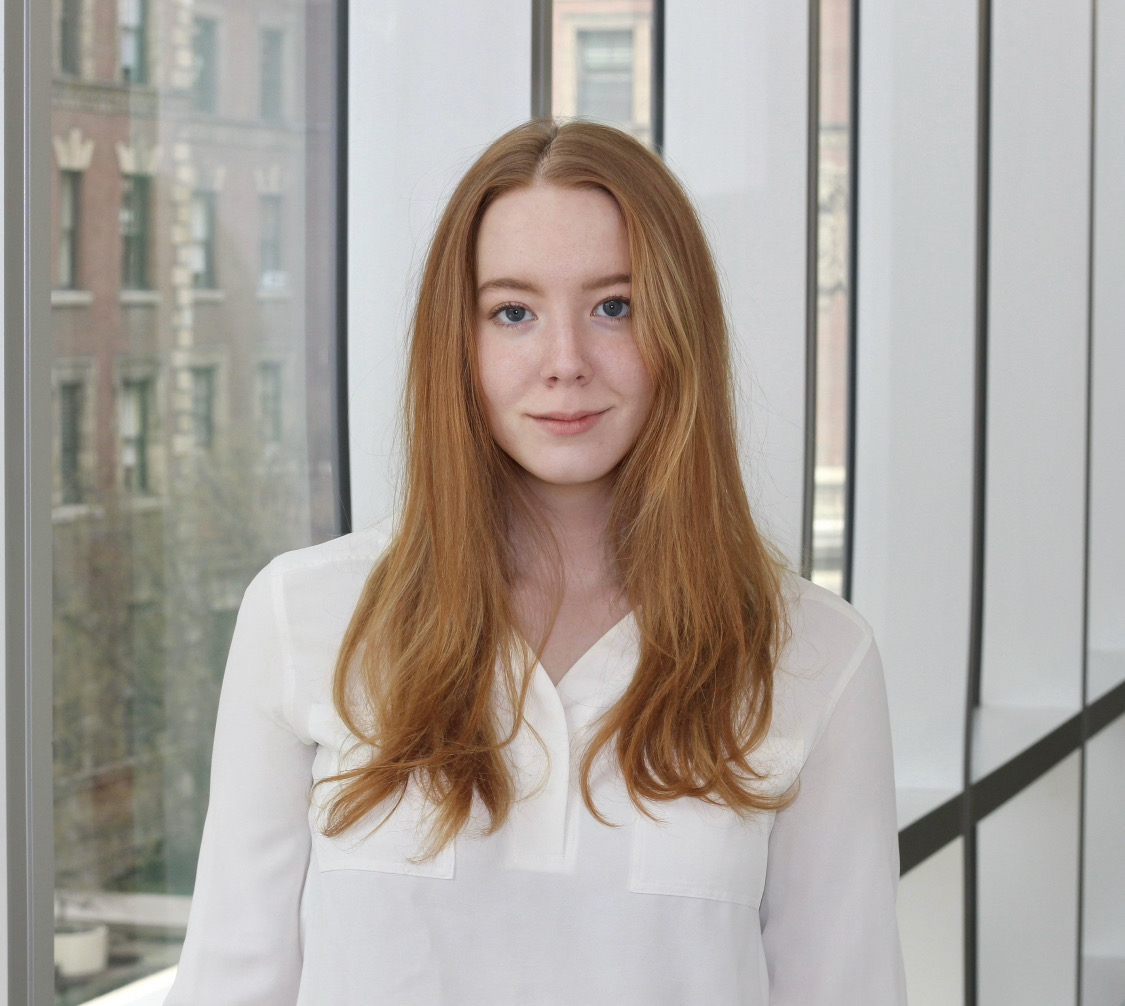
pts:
[541, 832]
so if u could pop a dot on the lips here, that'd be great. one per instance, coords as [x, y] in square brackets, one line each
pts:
[568, 417]
[568, 424]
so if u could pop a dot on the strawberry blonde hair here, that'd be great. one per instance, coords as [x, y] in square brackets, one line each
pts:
[433, 641]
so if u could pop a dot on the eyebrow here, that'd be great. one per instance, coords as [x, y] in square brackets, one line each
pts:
[507, 283]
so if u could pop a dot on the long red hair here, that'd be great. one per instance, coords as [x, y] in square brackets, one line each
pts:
[433, 639]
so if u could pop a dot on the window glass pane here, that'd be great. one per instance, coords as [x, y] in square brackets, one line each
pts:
[68, 229]
[833, 298]
[134, 217]
[132, 16]
[602, 62]
[271, 74]
[70, 441]
[201, 251]
[205, 64]
[69, 36]
[183, 462]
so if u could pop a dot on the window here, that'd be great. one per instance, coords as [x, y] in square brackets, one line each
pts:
[203, 405]
[272, 276]
[71, 396]
[164, 498]
[605, 75]
[203, 240]
[271, 42]
[135, 218]
[69, 182]
[70, 25]
[135, 405]
[269, 401]
[206, 66]
[132, 18]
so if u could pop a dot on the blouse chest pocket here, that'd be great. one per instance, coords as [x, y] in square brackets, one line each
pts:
[701, 850]
[395, 846]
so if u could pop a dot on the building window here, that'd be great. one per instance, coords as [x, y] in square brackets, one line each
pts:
[71, 395]
[269, 401]
[203, 405]
[132, 18]
[605, 75]
[69, 34]
[205, 49]
[203, 241]
[69, 182]
[135, 405]
[272, 277]
[271, 40]
[135, 217]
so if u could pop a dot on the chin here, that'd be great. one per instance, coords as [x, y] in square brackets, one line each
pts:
[569, 477]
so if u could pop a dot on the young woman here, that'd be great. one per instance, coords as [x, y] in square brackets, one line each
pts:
[562, 730]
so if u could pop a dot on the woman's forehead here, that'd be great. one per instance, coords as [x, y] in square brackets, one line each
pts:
[549, 230]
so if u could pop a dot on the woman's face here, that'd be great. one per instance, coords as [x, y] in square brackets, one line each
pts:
[566, 392]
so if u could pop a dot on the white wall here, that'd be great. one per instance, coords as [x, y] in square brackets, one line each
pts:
[427, 94]
[1037, 339]
[735, 114]
[916, 337]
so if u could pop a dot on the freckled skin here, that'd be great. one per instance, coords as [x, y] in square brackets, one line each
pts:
[566, 346]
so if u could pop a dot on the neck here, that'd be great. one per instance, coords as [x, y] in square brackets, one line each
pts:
[577, 516]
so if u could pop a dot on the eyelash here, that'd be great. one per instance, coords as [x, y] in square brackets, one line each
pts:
[495, 315]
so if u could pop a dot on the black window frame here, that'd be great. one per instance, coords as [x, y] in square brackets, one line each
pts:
[69, 181]
[136, 238]
[72, 402]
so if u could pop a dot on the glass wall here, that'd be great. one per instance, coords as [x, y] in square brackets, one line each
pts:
[833, 297]
[193, 324]
[602, 62]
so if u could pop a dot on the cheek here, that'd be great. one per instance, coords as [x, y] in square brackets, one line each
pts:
[498, 378]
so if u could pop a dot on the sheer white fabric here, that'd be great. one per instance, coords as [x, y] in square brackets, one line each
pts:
[701, 906]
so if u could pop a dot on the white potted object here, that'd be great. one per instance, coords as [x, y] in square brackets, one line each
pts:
[81, 945]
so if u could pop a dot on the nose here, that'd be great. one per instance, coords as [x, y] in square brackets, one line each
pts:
[566, 358]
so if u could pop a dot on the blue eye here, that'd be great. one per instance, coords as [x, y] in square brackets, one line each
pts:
[511, 314]
[615, 308]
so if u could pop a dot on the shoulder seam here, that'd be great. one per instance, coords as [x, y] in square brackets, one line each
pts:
[863, 647]
[289, 673]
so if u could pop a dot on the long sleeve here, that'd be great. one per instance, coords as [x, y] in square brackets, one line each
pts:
[828, 919]
[243, 942]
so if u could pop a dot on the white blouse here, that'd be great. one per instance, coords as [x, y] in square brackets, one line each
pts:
[794, 907]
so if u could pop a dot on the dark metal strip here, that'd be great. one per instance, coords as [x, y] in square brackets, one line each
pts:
[541, 53]
[971, 812]
[1102, 712]
[812, 229]
[658, 76]
[28, 353]
[853, 306]
[343, 434]
[929, 834]
[1001, 784]
[922, 838]
[1086, 500]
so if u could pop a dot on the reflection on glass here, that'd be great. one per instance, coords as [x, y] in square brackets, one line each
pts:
[192, 324]
[834, 185]
[602, 62]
